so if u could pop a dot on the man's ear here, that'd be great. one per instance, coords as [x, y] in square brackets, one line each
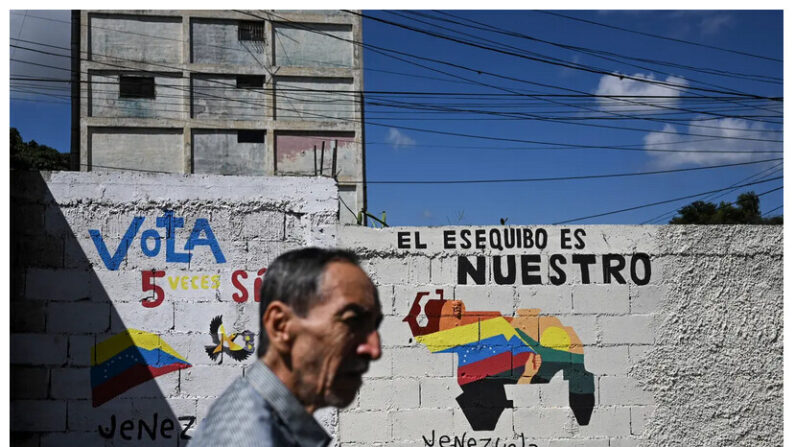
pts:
[276, 321]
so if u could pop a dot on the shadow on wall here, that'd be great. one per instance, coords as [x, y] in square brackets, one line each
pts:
[79, 376]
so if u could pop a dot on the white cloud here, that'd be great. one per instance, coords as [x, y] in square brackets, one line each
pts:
[725, 127]
[623, 86]
[714, 24]
[399, 139]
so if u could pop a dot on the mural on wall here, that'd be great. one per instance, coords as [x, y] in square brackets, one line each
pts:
[225, 344]
[495, 350]
[129, 359]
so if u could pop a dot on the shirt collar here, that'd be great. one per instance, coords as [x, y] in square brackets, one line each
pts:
[303, 426]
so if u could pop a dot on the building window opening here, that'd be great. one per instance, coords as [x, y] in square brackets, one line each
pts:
[250, 81]
[251, 136]
[251, 31]
[136, 87]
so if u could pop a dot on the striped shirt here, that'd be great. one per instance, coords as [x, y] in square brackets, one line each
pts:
[257, 410]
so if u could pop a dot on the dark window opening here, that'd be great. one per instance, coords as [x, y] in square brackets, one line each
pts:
[250, 81]
[251, 31]
[136, 87]
[250, 136]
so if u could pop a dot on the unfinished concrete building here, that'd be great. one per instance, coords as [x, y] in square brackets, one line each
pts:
[221, 92]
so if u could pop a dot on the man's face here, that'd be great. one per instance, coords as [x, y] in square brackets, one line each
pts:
[338, 338]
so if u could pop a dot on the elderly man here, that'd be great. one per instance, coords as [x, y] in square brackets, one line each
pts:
[319, 317]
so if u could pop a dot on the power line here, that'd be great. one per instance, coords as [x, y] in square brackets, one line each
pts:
[656, 36]
[573, 177]
[774, 209]
[669, 201]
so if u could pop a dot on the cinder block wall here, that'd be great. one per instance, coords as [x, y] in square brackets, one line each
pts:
[691, 357]
[685, 352]
[67, 298]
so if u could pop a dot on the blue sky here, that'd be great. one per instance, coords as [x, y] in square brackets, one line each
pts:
[496, 109]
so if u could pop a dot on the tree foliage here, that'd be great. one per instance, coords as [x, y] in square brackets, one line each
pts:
[744, 211]
[32, 156]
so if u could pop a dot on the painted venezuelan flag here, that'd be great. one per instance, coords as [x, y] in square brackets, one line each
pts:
[129, 359]
[488, 348]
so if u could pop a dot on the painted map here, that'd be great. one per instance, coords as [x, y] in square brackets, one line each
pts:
[496, 350]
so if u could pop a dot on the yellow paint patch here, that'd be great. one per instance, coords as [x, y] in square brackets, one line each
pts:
[556, 338]
[470, 333]
[103, 351]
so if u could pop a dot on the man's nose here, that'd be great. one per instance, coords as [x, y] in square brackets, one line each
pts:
[371, 346]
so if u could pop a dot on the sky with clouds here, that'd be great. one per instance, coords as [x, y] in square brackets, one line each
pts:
[525, 100]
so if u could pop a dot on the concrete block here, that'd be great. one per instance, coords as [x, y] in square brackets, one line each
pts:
[404, 296]
[414, 424]
[638, 352]
[600, 299]
[83, 416]
[118, 286]
[70, 383]
[622, 391]
[38, 415]
[583, 325]
[38, 349]
[192, 286]
[439, 392]
[543, 422]
[525, 395]
[550, 299]
[610, 361]
[639, 417]
[405, 270]
[646, 299]
[41, 252]
[444, 270]
[383, 366]
[192, 347]
[57, 285]
[29, 382]
[135, 316]
[625, 442]
[80, 349]
[555, 393]
[634, 329]
[262, 225]
[606, 423]
[380, 394]
[418, 362]
[196, 317]
[80, 253]
[28, 316]
[69, 438]
[366, 427]
[27, 219]
[78, 318]
[578, 443]
[395, 332]
[386, 295]
[503, 429]
[208, 381]
[482, 298]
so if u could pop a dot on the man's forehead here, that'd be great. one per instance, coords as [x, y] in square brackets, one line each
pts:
[347, 282]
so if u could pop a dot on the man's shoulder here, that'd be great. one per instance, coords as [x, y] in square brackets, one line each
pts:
[240, 416]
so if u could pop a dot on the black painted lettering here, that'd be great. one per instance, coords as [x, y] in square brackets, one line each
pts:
[584, 261]
[541, 238]
[465, 268]
[432, 441]
[508, 278]
[190, 420]
[610, 271]
[124, 427]
[471, 442]
[466, 243]
[449, 239]
[108, 434]
[166, 432]
[554, 262]
[565, 238]
[527, 237]
[417, 242]
[444, 441]
[578, 234]
[480, 239]
[529, 265]
[151, 431]
[633, 269]
[404, 239]
[495, 239]
[509, 238]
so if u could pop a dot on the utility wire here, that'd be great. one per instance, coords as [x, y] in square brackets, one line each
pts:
[656, 36]
[670, 200]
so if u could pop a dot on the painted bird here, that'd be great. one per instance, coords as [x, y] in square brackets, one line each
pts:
[226, 344]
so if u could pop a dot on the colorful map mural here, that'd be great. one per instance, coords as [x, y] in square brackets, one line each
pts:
[129, 359]
[495, 350]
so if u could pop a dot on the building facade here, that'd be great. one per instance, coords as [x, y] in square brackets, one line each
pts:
[222, 92]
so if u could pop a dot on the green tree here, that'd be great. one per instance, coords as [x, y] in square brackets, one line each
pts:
[32, 156]
[744, 211]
